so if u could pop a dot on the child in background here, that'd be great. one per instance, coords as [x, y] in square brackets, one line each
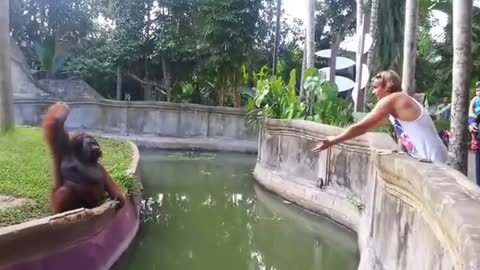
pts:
[473, 116]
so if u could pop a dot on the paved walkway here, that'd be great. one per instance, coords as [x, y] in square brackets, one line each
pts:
[471, 166]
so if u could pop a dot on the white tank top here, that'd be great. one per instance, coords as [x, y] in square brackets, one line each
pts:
[420, 137]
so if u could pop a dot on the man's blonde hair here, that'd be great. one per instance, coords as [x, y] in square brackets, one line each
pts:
[390, 80]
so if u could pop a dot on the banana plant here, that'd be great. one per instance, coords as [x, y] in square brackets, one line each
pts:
[275, 99]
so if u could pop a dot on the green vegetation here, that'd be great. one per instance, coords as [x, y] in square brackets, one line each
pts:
[166, 43]
[274, 98]
[25, 171]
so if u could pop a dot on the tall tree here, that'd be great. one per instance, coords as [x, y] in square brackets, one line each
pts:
[335, 20]
[462, 60]
[6, 92]
[358, 93]
[277, 36]
[387, 53]
[373, 31]
[310, 34]
[228, 32]
[410, 47]
[47, 30]
[119, 82]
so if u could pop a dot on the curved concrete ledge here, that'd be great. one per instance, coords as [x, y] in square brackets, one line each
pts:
[407, 214]
[154, 118]
[78, 239]
[188, 144]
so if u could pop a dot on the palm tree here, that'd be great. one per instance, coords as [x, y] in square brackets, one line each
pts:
[462, 60]
[309, 46]
[359, 102]
[6, 91]
[373, 31]
[410, 47]
[277, 37]
[310, 34]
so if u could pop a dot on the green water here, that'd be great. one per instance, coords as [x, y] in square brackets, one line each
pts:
[207, 214]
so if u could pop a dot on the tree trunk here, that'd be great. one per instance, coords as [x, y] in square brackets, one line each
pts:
[147, 88]
[373, 32]
[277, 38]
[119, 83]
[333, 58]
[310, 35]
[236, 98]
[410, 47]
[338, 36]
[462, 61]
[7, 119]
[221, 90]
[304, 66]
[357, 91]
[221, 97]
[371, 52]
[167, 79]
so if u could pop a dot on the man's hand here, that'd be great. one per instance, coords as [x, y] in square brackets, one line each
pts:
[328, 142]
[472, 128]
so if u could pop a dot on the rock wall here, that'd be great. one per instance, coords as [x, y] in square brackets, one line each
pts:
[407, 214]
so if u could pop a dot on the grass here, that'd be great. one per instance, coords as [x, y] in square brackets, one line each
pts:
[25, 171]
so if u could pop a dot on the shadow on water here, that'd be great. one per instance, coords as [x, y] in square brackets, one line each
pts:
[203, 212]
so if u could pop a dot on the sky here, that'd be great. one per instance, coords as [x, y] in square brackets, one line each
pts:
[297, 8]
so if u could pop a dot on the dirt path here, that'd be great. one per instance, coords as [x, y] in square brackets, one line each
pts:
[9, 201]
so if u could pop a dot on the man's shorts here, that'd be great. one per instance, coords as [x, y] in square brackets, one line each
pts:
[473, 120]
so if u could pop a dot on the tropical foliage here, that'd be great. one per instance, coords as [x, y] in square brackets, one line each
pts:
[323, 103]
[276, 99]
[158, 45]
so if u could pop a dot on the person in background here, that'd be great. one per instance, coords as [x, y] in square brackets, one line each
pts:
[473, 119]
[411, 120]
[446, 108]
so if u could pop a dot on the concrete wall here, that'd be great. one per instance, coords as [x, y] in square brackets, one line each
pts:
[22, 80]
[407, 214]
[70, 89]
[145, 118]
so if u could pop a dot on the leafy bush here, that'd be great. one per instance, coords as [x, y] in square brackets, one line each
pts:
[324, 104]
[273, 98]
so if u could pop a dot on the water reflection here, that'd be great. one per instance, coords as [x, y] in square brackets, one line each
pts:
[206, 214]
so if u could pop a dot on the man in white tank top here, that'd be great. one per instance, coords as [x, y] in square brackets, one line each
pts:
[411, 121]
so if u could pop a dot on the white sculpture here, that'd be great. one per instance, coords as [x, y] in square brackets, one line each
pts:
[348, 44]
